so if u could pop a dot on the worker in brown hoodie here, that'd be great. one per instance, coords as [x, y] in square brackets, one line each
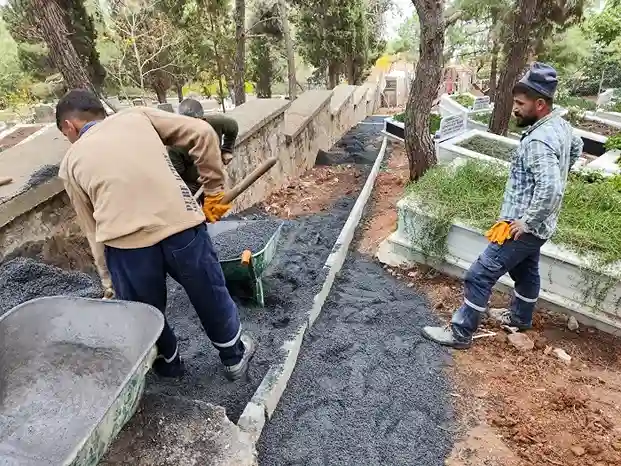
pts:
[142, 222]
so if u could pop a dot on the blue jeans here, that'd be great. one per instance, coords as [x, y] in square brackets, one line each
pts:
[190, 259]
[520, 259]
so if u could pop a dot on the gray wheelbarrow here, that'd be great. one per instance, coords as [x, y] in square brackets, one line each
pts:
[72, 372]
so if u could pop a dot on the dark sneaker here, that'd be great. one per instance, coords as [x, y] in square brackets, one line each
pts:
[445, 337]
[504, 317]
[173, 368]
[238, 370]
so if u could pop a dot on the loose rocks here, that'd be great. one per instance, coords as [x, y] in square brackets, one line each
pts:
[520, 341]
[23, 279]
[253, 235]
[572, 324]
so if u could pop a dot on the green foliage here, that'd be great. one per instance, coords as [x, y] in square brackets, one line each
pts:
[434, 121]
[574, 101]
[606, 26]
[485, 117]
[340, 37]
[407, 40]
[489, 147]
[590, 219]
[613, 142]
[465, 100]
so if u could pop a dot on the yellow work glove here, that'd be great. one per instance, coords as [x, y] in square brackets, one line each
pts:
[213, 207]
[499, 233]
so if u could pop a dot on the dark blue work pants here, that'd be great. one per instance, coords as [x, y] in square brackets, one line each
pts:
[190, 259]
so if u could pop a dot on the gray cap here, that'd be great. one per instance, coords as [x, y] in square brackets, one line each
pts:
[541, 78]
[191, 108]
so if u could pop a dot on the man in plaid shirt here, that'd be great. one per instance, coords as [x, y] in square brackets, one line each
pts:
[531, 205]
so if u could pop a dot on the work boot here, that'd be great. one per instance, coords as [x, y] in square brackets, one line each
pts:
[238, 370]
[504, 317]
[445, 337]
[169, 368]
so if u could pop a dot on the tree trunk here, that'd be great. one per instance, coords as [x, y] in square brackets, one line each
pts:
[515, 52]
[52, 26]
[289, 48]
[240, 52]
[351, 71]
[333, 74]
[179, 87]
[429, 69]
[493, 72]
[160, 92]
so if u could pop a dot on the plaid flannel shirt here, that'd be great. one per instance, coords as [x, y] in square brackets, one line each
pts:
[538, 175]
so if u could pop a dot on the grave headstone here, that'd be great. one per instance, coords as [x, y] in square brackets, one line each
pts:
[605, 97]
[165, 107]
[481, 103]
[138, 103]
[451, 126]
[44, 114]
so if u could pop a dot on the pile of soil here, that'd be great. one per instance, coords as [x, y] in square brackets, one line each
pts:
[597, 127]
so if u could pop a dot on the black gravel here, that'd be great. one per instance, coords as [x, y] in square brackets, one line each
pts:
[41, 175]
[359, 145]
[252, 235]
[23, 279]
[294, 277]
[367, 388]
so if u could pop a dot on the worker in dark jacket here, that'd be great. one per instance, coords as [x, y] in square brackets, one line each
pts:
[226, 128]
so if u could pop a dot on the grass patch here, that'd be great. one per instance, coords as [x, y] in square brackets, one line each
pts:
[590, 219]
[488, 146]
[464, 100]
[486, 117]
[434, 121]
[573, 101]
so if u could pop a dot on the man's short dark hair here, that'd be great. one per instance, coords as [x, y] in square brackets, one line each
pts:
[521, 88]
[81, 103]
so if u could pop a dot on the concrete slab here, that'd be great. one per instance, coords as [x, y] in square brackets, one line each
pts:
[342, 93]
[21, 161]
[303, 109]
[172, 431]
[65, 362]
[360, 95]
[255, 114]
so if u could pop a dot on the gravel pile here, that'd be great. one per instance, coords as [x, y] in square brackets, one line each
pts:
[290, 283]
[358, 146]
[23, 279]
[252, 235]
[367, 388]
[41, 175]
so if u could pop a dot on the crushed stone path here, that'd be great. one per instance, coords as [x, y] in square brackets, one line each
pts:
[368, 389]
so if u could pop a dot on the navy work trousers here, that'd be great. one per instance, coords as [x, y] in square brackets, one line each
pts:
[520, 259]
[190, 259]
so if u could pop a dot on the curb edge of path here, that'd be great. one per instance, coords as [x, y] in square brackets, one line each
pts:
[265, 399]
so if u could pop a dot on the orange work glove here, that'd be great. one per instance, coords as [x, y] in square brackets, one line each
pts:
[213, 207]
[499, 233]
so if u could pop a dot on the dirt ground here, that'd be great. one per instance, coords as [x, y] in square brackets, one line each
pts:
[17, 136]
[518, 408]
[596, 127]
[315, 191]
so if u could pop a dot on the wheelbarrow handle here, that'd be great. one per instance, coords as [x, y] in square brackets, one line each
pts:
[244, 184]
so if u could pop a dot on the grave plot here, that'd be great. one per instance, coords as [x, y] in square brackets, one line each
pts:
[394, 127]
[442, 219]
[479, 145]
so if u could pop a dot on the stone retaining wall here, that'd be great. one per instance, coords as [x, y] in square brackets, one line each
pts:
[292, 132]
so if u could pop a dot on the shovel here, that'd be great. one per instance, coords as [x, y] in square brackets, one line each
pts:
[235, 191]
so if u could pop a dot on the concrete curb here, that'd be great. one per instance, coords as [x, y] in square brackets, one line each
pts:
[265, 399]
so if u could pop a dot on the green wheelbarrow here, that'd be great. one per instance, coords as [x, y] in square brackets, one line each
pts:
[243, 273]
